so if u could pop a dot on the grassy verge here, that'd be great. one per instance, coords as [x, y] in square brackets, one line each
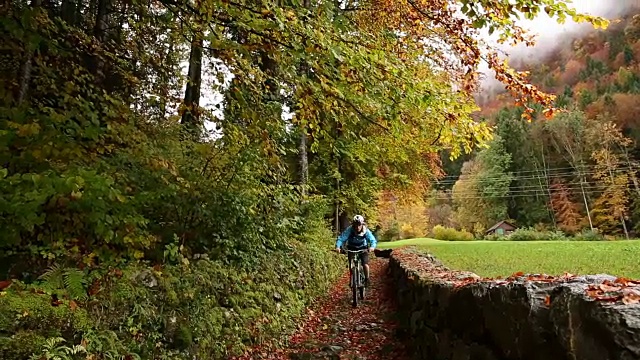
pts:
[494, 258]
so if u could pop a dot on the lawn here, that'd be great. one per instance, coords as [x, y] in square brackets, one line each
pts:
[503, 258]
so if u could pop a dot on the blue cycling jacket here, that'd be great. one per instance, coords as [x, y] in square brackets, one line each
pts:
[366, 239]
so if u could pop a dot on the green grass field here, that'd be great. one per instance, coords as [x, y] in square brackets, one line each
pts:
[503, 258]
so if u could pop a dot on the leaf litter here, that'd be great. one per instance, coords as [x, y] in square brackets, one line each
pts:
[333, 329]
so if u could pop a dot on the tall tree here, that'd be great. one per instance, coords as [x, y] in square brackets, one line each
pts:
[607, 142]
[568, 137]
[566, 211]
[495, 179]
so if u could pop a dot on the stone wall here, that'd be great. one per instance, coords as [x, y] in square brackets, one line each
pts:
[456, 315]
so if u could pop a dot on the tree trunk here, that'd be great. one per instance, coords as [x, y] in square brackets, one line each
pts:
[27, 67]
[69, 11]
[586, 203]
[191, 115]
[99, 31]
[337, 200]
[548, 185]
[303, 161]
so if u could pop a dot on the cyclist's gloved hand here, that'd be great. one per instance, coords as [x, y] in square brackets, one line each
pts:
[370, 249]
[337, 250]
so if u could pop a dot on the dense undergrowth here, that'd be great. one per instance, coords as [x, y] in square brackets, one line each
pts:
[122, 234]
[200, 308]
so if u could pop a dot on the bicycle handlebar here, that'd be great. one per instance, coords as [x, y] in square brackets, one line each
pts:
[355, 251]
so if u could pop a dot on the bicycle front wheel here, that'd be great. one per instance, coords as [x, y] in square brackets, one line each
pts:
[354, 286]
[361, 284]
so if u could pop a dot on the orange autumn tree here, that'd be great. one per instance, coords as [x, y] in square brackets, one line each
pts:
[402, 214]
[450, 33]
[566, 211]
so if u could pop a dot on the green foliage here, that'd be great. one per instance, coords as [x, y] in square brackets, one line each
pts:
[588, 235]
[28, 318]
[53, 349]
[594, 69]
[530, 234]
[392, 233]
[450, 234]
[200, 308]
[481, 194]
[70, 280]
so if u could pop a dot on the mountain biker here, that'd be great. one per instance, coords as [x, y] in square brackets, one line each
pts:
[358, 237]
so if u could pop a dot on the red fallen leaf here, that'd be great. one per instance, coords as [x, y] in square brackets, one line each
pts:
[547, 300]
[518, 274]
[611, 298]
[94, 288]
[73, 305]
[626, 282]
[630, 296]
[608, 288]
[5, 284]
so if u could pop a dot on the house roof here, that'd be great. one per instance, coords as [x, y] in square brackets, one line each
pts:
[498, 225]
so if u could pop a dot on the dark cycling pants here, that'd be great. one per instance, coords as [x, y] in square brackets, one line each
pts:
[364, 256]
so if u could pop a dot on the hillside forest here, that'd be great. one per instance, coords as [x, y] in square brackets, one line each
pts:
[173, 173]
[576, 173]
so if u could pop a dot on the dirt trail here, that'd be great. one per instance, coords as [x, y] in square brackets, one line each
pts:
[333, 329]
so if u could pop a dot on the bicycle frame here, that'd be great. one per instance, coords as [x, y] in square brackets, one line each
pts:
[356, 281]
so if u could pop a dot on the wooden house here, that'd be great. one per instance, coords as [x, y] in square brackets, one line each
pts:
[501, 228]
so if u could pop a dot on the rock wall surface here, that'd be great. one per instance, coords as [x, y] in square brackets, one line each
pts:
[457, 315]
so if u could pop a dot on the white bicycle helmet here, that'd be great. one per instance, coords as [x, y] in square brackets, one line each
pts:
[358, 220]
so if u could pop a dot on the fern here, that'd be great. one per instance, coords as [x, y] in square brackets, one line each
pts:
[74, 283]
[53, 277]
[69, 279]
[52, 349]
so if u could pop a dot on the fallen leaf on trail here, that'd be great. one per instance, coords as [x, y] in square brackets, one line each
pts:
[5, 284]
[547, 300]
[334, 329]
[73, 305]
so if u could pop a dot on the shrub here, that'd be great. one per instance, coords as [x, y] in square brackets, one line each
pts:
[588, 235]
[450, 234]
[529, 234]
[392, 233]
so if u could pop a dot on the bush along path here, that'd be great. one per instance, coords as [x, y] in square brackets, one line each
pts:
[333, 329]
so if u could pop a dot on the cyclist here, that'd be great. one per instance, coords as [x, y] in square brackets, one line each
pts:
[358, 237]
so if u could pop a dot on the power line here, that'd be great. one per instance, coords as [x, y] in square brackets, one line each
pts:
[542, 191]
[466, 178]
[534, 171]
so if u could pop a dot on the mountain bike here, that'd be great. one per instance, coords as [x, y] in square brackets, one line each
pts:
[357, 276]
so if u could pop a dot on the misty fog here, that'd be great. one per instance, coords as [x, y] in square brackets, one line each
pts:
[550, 35]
